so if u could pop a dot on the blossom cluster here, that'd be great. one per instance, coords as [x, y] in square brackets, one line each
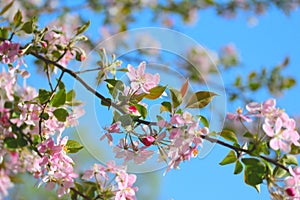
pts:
[277, 125]
[177, 138]
[185, 138]
[21, 126]
[121, 183]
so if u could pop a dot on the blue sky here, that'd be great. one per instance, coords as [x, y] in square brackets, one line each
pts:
[265, 44]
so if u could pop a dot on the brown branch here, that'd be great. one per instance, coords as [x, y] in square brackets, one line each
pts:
[87, 86]
[102, 98]
[238, 150]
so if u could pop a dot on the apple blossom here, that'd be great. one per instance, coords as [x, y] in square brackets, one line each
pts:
[142, 82]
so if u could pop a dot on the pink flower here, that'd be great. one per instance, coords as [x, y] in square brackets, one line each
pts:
[5, 183]
[239, 116]
[142, 82]
[98, 171]
[114, 128]
[177, 119]
[9, 51]
[277, 140]
[126, 191]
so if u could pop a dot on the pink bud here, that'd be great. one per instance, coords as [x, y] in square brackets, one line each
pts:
[44, 44]
[132, 109]
[148, 141]
[82, 57]
[291, 192]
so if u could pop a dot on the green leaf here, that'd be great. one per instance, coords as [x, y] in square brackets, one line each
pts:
[3, 33]
[254, 173]
[11, 143]
[142, 110]
[238, 167]
[22, 142]
[18, 18]
[71, 95]
[59, 98]
[155, 92]
[295, 150]
[73, 146]
[61, 85]
[290, 160]
[279, 172]
[6, 7]
[166, 106]
[248, 135]
[113, 86]
[203, 120]
[176, 97]
[44, 96]
[200, 99]
[28, 27]
[250, 161]
[83, 28]
[230, 158]
[61, 114]
[229, 135]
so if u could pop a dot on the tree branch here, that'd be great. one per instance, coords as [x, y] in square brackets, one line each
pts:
[102, 98]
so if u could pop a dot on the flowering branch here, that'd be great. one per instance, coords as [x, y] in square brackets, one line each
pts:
[102, 98]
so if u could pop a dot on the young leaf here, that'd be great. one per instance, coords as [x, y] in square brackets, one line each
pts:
[200, 99]
[238, 167]
[229, 135]
[176, 97]
[184, 88]
[230, 158]
[18, 18]
[83, 28]
[6, 7]
[73, 146]
[59, 98]
[155, 92]
[61, 114]
[203, 120]
[166, 106]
